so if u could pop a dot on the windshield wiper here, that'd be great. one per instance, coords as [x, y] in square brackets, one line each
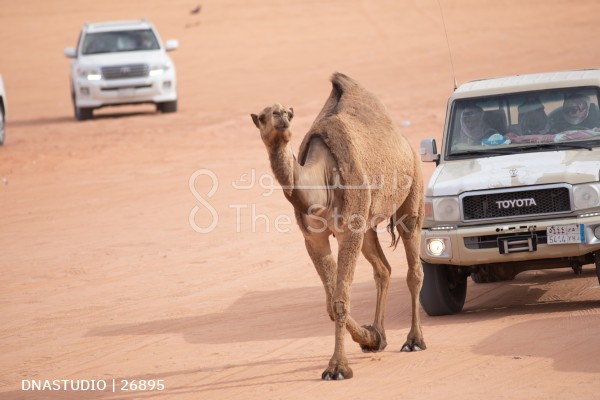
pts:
[559, 146]
[490, 152]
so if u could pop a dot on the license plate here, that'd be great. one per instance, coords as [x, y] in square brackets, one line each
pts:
[126, 92]
[565, 234]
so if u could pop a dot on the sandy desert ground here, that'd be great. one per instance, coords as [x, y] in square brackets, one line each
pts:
[104, 276]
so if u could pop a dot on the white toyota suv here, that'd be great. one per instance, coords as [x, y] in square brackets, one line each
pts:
[121, 62]
[517, 183]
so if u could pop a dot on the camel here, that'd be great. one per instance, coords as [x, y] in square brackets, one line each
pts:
[344, 183]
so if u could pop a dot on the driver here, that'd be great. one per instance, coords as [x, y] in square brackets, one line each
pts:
[473, 127]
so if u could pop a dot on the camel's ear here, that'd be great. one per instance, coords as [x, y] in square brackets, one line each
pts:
[291, 113]
[255, 119]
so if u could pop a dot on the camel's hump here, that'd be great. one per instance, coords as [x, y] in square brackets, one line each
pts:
[342, 83]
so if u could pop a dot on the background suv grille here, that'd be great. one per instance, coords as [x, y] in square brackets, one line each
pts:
[485, 206]
[125, 71]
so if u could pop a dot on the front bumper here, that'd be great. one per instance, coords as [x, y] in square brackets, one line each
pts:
[505, 243]
[95, 94]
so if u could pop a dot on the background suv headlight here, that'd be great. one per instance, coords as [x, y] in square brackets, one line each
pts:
[442, 209]
[160, 69]
[586, 196]
[90, 73]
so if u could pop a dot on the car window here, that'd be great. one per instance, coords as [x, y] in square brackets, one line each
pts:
[522, 122]
[118, 41]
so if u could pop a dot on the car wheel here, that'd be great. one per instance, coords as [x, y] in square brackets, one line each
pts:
[2, 130]
[597, 262]
[81, 113]
[444, 289]
[167, 106]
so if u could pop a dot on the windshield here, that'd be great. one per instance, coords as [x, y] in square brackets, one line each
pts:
[521, 122]
[116, 41]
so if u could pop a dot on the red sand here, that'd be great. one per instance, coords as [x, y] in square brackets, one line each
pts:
[104, 277]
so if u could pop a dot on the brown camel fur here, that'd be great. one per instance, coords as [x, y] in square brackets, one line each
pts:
[354, 171]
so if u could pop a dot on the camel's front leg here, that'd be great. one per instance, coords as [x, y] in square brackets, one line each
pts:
[349, 247]
[319, 250]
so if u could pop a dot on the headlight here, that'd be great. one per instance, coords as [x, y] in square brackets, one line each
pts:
[159, 69]
[442, 209]
[438, 247]
[91, 74]
[586, 196]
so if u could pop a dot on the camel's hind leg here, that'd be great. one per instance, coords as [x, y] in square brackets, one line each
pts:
[408, 220]
[414, 279]
[373, 252]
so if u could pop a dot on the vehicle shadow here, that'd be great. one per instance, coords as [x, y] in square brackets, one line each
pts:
[531, 293]
[569, 341]
[528, 294]
[38, 121]
[11, 123]
[124, 114]
[536, 321]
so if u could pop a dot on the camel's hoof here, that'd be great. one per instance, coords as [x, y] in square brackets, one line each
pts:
[413, 345]
[336, 374]
[380, 342]
[330, 376]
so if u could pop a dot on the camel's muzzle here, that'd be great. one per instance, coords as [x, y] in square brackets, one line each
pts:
[282, 125]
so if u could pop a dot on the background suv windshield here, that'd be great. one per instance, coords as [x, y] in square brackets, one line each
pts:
[524, 121]
[117, 41]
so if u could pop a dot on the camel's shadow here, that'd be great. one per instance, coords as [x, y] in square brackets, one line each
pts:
[270, 315]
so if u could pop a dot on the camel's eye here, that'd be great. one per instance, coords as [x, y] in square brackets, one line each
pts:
[277, 113]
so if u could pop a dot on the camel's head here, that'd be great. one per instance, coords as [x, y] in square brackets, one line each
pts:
[274, 124]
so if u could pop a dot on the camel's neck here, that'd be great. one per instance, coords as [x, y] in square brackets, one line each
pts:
[283, 164]
[303, 186]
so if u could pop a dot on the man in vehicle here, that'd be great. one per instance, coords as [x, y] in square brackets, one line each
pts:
[473, 127]
[532, 118]
[577, 113]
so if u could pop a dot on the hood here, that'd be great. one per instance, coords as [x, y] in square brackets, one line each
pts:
[126, 57]
[452, 178]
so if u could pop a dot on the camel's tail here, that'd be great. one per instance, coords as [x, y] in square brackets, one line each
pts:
[390, 228]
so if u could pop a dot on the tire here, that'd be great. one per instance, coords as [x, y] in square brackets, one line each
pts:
[2, 128]
[444, 290]
[597, 262]
[167, 106]
[81, 113]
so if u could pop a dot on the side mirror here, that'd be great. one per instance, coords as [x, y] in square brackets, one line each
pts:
[70, 52]
[171, 44]
[428, 151]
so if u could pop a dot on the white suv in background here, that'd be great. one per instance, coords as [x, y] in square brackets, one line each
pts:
[2, 111]
[121, 62]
